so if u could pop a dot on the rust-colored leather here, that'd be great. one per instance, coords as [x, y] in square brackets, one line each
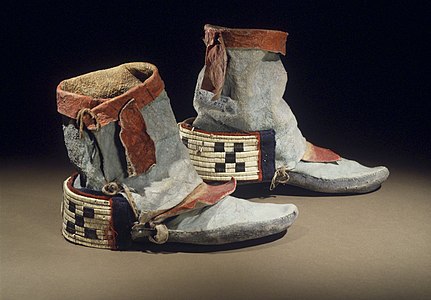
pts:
[317, 154]
[216, 64]
[107, 110]
[203, 195]
[217, 39]
[139, 147]
[269, 40]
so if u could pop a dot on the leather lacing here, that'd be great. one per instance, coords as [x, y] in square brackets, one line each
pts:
[157, 233]
[80, 119]
[280, 176]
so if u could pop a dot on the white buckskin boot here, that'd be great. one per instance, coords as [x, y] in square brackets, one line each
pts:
[245, 129]
[135, 180]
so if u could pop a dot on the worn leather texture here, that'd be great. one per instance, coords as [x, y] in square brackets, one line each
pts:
[217, 39]
[99, 98]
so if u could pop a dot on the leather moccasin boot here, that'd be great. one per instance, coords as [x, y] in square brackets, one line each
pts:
[245, 129]
[135, 180]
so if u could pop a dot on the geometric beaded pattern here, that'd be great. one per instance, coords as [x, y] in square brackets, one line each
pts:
[86, 221]
[219, 157]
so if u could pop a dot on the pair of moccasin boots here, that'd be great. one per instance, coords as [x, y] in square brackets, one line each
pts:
[140, 179]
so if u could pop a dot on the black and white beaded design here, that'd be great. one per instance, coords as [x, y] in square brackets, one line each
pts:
[230, 157]
[86, 220]
[94, 220]
[78, 221]
[220, 156]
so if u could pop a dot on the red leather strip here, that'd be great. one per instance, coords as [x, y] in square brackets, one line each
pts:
[143, 94]
[113, 240]
[318, 154]
[107, 110]
[216, 64]
[139, 147]
[269, 40]
[69, 104]
[203, 195]
[259, 160]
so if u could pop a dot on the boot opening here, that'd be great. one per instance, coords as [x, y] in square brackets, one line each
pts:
[270, 56]
[109, 83]
[142, 73]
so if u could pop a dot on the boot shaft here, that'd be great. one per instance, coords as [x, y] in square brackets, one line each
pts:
[244, 91]
[219, 39]
[240, 90]
[120, 128]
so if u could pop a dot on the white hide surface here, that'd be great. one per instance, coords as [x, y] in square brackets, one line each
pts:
[252, 99]
[343, 176]
[84, 155]
[173, 176]
[164, 185]
[231, 220]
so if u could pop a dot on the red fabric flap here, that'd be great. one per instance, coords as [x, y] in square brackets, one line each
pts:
[318, 154]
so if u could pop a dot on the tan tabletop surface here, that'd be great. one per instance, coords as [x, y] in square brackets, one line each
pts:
[372, 246]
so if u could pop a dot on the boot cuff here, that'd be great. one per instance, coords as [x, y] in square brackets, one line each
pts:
[105, 92]
[269, 40]
[99, 98]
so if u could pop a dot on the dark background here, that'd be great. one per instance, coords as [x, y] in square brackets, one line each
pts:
[358, 83]
[357, 70]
